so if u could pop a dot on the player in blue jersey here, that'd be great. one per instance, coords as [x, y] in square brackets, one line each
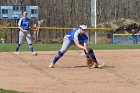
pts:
[24, 27]
[79, 38]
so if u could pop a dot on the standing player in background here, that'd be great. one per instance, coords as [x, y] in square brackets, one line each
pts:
[24, 27]
[79, 38]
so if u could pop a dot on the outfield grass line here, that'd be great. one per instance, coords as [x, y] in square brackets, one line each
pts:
[9, 91]
[56, 47]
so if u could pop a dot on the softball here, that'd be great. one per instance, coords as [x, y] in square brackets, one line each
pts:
[103, 65]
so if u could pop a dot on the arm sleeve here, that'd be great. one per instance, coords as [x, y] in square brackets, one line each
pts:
[19, 22]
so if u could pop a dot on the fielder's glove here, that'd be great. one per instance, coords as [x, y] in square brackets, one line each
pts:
[91, 63]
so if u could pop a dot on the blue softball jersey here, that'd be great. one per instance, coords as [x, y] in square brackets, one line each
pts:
[74, 34]
[24, 23]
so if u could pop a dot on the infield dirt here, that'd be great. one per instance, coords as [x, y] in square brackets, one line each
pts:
[29, 73]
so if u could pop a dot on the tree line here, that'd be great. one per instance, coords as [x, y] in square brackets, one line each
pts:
[70, 13]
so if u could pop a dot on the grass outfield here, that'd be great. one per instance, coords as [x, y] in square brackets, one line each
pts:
[55, 47]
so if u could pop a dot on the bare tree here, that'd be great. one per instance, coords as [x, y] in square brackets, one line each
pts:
[70, 13]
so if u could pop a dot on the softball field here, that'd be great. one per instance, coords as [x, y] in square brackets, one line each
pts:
[27, 73]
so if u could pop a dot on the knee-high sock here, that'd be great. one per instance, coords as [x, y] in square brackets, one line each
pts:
[90, 54]
[31, 48]
[57, 57]
[18, 46]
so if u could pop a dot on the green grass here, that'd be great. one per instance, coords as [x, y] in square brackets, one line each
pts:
[8, 91]
[115, 46]
[55, 47]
